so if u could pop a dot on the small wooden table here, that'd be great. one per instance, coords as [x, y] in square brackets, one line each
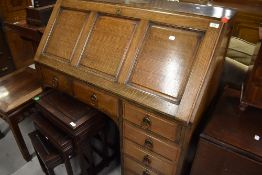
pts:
[16, 92]
[79, 121]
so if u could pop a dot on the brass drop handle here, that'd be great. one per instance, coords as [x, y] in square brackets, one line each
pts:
[93, 97]
[145, 172]
[55, 82]
[148, 143]
[146, 122]
[147, 160]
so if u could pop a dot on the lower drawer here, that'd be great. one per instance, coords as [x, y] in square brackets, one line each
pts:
[149, 142]
[132, 167]
[148, 159]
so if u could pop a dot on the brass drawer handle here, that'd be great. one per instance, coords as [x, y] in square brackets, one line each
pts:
[93, 97]
[146, 123]
[146, 160]
[148, 143]
[55, 82]
[146, 172]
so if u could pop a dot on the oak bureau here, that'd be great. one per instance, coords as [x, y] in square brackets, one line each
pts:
[152, 66]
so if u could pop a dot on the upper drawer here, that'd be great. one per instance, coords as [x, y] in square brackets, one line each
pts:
[151, 143]
[157, 124]
[100, 100]
[55, 80]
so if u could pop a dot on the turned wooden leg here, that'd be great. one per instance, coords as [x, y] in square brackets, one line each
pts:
[13, 124]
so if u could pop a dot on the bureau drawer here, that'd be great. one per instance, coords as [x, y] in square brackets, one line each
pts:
[132, 167]
[150, 142]
[55, 80]
[98, 99]
[148, 159]
[148, 121]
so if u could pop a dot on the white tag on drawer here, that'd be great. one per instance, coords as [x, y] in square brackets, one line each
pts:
[214, 25]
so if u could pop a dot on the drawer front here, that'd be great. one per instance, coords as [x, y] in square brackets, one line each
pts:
[148, 159]
[56, 80]
[150, 142]
[148, 121]
[132, 167]
[100, 100]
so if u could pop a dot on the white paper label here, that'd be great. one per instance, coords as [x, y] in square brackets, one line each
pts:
[72, 124]
[172, 38]
[257, 137]
[214, 25]
[32, 66]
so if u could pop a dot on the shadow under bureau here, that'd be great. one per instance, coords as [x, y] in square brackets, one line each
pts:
[151, 66]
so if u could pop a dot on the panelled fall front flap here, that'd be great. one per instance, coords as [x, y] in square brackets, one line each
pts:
[149, 56]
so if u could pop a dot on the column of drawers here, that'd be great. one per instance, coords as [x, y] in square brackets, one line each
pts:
[150, 144]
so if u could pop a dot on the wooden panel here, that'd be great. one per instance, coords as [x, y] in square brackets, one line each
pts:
[107, 45]
[148, 159]
[65, 34]
[165, 60]
[132, 167]
[151, 122]
[55, 80]
[96, 98]
[156, 145]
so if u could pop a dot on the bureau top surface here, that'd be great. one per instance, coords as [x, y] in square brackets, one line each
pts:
[240, 129]
[159, 54]
[175, 7]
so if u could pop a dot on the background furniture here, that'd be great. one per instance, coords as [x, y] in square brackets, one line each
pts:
[252, 88]
[22, 51]
[149, 68]
[6, 63]
[16, 92]
[247, 19]
[231, 143]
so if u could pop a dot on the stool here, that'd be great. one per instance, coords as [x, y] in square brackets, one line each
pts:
[79, 121]
[47, 155]
[60, 140]
[16, 91]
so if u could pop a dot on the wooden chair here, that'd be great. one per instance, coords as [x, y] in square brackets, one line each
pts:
[16, 92]
[47, 155]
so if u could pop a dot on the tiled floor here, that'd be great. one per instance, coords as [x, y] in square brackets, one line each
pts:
[12, 163]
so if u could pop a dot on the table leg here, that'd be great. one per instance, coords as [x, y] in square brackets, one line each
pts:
[1, 135]
[13, 124]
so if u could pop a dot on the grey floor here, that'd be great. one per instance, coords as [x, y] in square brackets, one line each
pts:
[12, 163]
